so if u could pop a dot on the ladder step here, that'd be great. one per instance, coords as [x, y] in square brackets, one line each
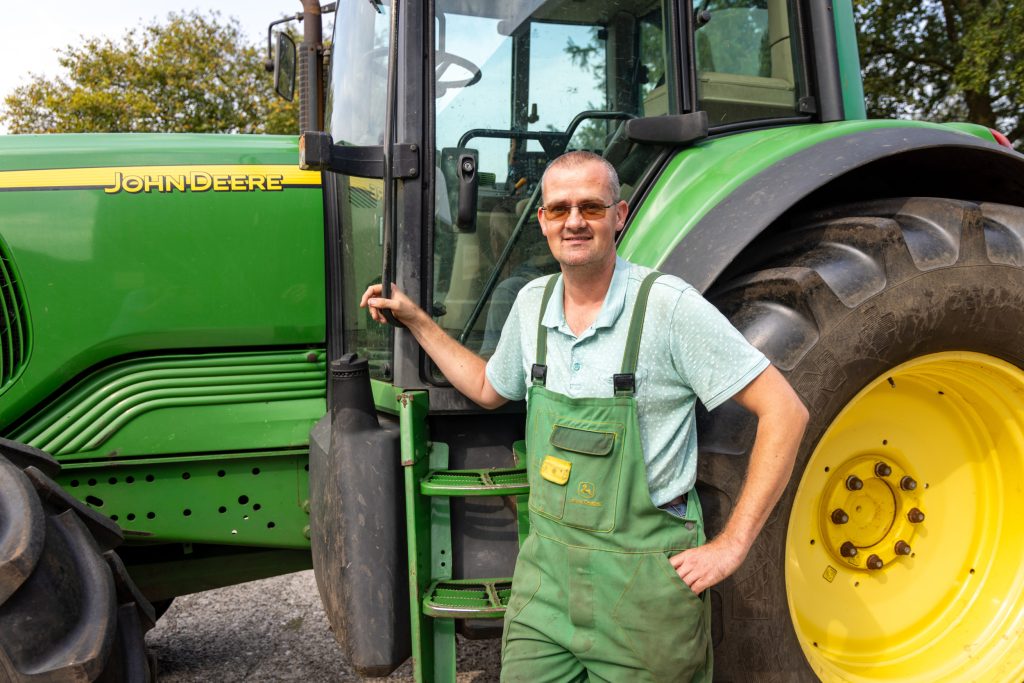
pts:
[487, 482]
[468, 598]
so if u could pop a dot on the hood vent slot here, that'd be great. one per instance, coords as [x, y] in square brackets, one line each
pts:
[15, 339]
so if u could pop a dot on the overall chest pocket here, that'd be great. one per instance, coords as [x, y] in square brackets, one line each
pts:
[576, 471]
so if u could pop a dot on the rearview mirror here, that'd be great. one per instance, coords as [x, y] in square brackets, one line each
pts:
[284, 66]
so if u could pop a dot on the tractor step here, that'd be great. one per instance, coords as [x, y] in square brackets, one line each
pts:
[468, 598]
[486, 482]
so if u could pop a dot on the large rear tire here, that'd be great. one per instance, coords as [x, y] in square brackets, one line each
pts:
[894, 554]
[68, 610]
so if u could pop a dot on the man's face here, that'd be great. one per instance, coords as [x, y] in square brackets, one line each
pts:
[577, 241]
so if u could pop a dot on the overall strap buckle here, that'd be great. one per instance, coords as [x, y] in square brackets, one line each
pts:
[539, 374]
[624, 383]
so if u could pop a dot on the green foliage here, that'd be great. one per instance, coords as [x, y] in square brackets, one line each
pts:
[945, 60]
[190, 74]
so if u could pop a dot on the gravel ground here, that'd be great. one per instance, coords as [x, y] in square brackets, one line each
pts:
[272, 630]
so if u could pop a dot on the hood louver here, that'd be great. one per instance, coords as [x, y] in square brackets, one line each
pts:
[14, 326]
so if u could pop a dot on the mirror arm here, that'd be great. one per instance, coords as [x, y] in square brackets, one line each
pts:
[317, 152]
[269, 64]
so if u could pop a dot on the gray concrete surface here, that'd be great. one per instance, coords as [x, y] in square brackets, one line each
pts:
[272, 630]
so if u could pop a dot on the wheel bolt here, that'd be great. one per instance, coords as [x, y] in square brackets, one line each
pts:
[839, 516]
[915, 516]
[908, 483]
[875, 563]
[882, 469]
[848, 550]
[902, 548]
[854, 483]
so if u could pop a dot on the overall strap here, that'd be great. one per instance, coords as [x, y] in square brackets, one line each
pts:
[625, 382]
[540, 369]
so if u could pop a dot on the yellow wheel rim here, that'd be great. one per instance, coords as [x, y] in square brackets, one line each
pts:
[905, 550]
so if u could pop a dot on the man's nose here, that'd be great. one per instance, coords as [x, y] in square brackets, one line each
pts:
[575, 218]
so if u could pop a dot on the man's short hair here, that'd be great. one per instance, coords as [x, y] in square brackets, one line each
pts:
[579, 158]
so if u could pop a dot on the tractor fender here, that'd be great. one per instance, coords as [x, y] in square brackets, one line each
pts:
[922, 160]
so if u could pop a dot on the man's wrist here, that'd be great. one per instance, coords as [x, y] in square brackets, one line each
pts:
[419, 322]
[735, 543]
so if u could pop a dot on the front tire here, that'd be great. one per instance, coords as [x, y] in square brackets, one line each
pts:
[68, 610]
[901, 325]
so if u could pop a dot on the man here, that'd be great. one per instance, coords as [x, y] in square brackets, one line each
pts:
[612, 447]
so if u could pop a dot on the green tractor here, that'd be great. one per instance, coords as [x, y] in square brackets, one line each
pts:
[186, 376]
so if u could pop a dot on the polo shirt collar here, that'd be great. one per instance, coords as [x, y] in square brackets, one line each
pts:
[611, 309]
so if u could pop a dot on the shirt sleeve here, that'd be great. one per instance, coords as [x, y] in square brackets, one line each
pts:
[505, 369]
[711, 354]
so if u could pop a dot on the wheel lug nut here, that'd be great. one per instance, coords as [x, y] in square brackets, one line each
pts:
[875, 563]
[915, 516]
[902, 548]
[839, 516]
[848, 550]
[854, 483]
[908, 483]
[882, 469]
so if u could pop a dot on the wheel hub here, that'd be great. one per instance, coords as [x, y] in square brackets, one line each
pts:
[865, 510]
[907, 528]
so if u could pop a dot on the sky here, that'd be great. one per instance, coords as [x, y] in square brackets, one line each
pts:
[32, 32]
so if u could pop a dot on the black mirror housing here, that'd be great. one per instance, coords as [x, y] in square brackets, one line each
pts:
[284, 66]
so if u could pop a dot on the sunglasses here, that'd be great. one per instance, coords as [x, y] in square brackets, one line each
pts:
[589, 210]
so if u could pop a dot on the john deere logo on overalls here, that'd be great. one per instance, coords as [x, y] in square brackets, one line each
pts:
[586, 492]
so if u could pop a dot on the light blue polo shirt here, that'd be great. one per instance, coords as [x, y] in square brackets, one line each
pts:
[688, 351]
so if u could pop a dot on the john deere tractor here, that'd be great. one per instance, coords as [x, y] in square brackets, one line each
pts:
[184, 366]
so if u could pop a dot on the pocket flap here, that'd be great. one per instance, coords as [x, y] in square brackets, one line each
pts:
[586, 441]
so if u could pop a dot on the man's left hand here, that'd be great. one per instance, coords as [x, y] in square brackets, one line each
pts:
[781, 418]
[704, 566]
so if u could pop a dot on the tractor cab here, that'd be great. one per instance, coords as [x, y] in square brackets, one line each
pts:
[507, 88]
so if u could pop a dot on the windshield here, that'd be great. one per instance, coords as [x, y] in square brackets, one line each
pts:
[355, 116]
[517, 84]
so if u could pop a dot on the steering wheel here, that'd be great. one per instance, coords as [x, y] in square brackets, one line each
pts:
[445, 60]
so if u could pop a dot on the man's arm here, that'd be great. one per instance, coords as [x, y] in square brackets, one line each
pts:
[782, 418]
[463, 368]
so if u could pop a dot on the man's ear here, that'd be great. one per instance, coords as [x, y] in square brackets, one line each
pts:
[542, 221]
[621, 211]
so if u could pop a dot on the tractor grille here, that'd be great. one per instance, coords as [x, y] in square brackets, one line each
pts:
[14, 327]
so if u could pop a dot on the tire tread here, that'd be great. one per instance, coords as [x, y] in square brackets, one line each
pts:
[834, 298]
[68, 609]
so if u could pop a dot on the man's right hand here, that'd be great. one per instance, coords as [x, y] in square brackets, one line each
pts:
[464, 369]
[401, 306]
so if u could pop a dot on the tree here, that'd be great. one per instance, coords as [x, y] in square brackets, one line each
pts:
[191, 74]
[945, 60]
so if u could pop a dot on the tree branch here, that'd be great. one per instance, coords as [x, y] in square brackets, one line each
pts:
[949, 14]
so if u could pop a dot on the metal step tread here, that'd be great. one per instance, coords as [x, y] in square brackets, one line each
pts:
[468, 598]
[510, 481]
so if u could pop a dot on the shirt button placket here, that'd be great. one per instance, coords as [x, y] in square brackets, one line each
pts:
[574, 378]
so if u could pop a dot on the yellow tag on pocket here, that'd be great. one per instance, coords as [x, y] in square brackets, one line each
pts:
[555, 470]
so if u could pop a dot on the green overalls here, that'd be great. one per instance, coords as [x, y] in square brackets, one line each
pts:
[594, 596]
